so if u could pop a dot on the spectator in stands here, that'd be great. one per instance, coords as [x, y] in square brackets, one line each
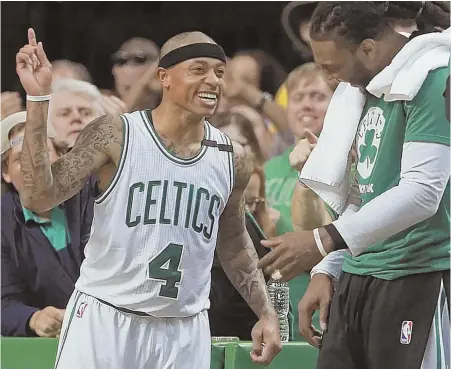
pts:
[264, 137]
[240, 129]
[252, 78]
[254, 196]
[134, 66]
[75, 104]
[308, 98]
[41, 253]
[70, 70]
[258, 69]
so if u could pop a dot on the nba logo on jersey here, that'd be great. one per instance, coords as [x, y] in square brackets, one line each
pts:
[406, 332]
[81, 309]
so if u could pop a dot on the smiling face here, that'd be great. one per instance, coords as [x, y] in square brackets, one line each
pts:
[346, 62]
[194, 85]
[307, 104]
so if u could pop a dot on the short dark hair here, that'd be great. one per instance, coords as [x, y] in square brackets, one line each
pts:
[358, 20]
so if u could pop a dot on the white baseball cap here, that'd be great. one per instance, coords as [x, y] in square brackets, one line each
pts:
[10, 122]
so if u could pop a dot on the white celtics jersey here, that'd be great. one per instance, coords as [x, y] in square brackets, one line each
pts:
[154, 229]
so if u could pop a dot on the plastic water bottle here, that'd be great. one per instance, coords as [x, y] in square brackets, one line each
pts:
[279, 293]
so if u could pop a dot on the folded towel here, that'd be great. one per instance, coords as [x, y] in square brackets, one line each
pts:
[327, 170]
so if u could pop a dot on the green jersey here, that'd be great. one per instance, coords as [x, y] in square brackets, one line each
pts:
[384, 128]
[280, 181]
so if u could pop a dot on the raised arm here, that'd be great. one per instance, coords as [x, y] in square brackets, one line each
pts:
[45, 185]
[239, 260]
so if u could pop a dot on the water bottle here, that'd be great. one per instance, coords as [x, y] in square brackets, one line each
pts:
[279, 294]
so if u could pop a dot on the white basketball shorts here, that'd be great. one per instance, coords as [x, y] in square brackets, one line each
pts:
[98, 336]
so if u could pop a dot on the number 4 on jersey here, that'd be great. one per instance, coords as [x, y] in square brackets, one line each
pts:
[165, 267]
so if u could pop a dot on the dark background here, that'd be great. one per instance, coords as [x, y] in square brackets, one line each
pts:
[89, 32]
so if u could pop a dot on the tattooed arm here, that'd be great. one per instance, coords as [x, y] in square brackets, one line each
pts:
[239, 260]
[45, 185]
[235, 249]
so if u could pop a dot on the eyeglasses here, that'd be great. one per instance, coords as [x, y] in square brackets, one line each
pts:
[136, 59]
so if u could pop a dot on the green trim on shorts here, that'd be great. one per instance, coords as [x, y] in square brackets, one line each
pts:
[74, 308]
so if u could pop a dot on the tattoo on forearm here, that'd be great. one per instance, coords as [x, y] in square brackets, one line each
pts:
[35, 155]
[58, 182]
[235, 249]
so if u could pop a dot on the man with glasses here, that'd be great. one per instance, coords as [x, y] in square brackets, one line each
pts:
[134, 66]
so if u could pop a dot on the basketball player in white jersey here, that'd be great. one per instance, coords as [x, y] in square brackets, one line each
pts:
[168, 181]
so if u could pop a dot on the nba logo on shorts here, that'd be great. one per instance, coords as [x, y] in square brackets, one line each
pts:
[81, 309]
[406, 332]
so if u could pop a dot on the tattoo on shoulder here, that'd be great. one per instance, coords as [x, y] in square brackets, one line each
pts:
[106, 124]
[243, 166]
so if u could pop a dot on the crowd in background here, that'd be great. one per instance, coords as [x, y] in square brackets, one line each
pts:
[263, 107]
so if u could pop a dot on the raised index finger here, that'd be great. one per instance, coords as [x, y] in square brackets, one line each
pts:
[32, 37]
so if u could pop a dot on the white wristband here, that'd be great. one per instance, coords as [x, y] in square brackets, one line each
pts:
[319, 243]
[38, 98]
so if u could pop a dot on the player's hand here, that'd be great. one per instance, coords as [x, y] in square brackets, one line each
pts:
[10, 103]
[292, 254]
[318, 296]
[266, 339]
[113, 105]
[302, 150]
[47, 322]
[33, 67]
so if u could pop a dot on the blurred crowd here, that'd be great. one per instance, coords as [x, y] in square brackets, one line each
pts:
[265, 108]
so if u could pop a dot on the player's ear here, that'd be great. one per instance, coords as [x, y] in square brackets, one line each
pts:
[163, 77]
[367, 49]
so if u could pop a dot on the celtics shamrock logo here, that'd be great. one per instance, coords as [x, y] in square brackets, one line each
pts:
[368, 151]
[368, 140]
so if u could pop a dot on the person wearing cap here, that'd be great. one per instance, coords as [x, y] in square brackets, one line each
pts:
[41, 252]
[171, 192]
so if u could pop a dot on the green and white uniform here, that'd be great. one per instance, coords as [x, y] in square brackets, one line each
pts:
[146, 275]
[392, 290]
[384, 128]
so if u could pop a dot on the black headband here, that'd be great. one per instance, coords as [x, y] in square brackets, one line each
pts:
[199, 50]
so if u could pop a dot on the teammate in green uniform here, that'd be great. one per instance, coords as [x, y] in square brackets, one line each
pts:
[388, 307]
